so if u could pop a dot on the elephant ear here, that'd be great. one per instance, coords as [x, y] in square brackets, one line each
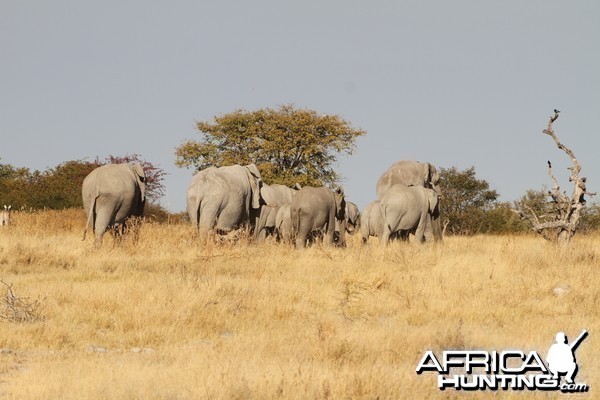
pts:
[139, 171]
[267, 194]
[427, 174]
[340, 202]
[432, 199]
[255, 183]
[432, 176]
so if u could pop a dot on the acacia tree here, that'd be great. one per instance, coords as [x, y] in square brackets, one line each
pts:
[288, 145]
[466, 201]
[561, 214]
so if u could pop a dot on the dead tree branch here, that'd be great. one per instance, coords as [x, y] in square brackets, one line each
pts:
[561, 224]
[19, 309]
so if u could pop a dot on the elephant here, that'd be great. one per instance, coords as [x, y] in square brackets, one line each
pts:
[352, 220]
[371, 223]
[414, 173]
[283, 224]
[224, 198]
[274, 196]
[405, 209]
[112, 194]
[317, 209]
[5, 215]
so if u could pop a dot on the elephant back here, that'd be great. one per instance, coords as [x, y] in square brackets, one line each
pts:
[408, 173]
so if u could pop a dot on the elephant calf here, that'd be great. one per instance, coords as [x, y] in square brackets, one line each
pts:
[406, 209]
[371, 221]
[317, 209]
[273, 197]
[352, 221]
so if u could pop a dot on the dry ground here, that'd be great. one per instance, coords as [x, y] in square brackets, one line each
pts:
[172, 318]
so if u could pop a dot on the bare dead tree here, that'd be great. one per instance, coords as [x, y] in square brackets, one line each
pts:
[561, 223]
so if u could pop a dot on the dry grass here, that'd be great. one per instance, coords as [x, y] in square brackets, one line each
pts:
[170, 317]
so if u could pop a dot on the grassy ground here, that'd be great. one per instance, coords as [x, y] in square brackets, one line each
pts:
[173, 318]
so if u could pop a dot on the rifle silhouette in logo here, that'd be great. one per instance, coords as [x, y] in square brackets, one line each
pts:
[561, 356]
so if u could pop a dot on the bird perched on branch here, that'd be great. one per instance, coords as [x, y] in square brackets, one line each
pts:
[556, 111]
[549, 164]
[555, 116]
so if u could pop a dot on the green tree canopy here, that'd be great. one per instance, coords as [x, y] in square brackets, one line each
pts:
[466, 201]
[287, 144]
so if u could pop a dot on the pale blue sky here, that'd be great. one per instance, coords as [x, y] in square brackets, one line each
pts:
[456, 83]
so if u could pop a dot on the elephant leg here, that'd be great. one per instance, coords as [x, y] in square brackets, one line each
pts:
[342, 239]
[385, 235]
[437, 229]
[260, 233]
[117, 231]
[328, 235]
[301, 239]
[231, 218]
[101, 224]
[209, 212]
[420, 231]
[304, 225]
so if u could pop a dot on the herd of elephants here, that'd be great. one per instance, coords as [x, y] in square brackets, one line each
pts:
[223, 199]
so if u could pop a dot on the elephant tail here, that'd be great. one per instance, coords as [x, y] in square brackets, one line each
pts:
[90, 218]
[195, 212]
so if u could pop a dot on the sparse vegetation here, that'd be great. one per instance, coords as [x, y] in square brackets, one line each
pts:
[168, 317]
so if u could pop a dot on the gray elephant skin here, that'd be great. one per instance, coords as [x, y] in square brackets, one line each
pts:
[315, 209]
[224, 198]
[371, 221]
[405, 209]
[353, 216]
[273, 197]
[414, 173]
[283, 224]
[111, 195]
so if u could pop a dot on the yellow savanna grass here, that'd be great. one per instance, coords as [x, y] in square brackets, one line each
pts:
[175, 316]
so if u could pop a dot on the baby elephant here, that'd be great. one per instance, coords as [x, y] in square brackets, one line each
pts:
[405, 210]
[371, 223]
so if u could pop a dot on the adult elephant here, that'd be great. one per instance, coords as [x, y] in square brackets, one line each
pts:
[273, 196]
[414, 173]
[112, 194]
[405, 209]
[317, 209]
[223, 198]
